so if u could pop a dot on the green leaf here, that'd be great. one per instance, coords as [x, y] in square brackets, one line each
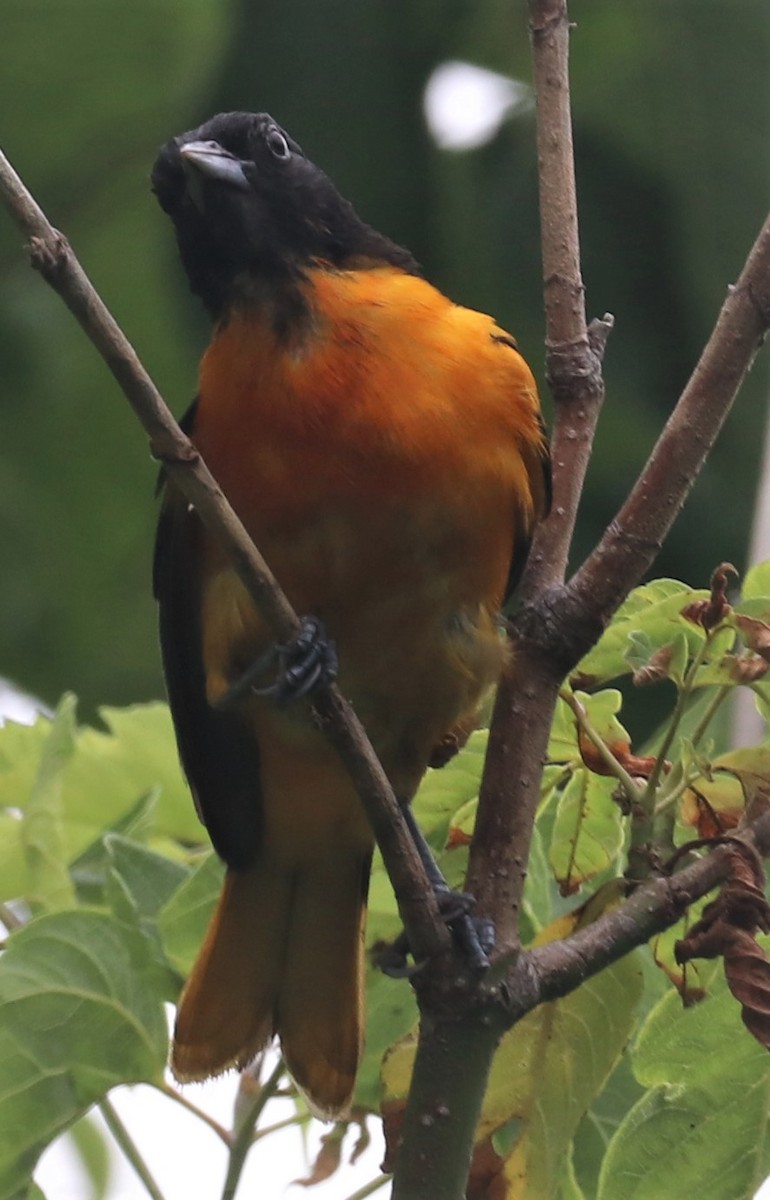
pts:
[654, 611]
[90, 1144]
[445, 790]
[42, 830]
[756, 583]
[701, 1128]
[106, 777]
[151, 879]
[588, 830]
[391, 1012]
[139, 883]
[183, 919]
[77, 1017]
[563, 740]
[600, 1123]
[538, 888]
[89, 869]
[570, 1189]
[549, 1070]
[601, 709]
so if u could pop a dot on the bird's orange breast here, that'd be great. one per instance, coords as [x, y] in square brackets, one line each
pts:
[379, 462]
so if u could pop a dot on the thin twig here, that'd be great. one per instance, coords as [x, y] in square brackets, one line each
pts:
[171, 1093]
[574, 351]
[370, 1188]
[299, 1119]
[633, 539]
[634, 793]
[9, 918]
[129, 1148]
[551, 971]
[53, 257]
[243, 1135]
[525, 698]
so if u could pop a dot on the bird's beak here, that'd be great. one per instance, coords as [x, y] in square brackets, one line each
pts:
[213, 161]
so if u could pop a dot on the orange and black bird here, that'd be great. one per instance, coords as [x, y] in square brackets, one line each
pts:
[384, 448]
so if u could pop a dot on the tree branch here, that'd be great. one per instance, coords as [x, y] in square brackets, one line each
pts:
[574, 352]
[518, 736]
[52, 255]
[556, 969]
[634, 537]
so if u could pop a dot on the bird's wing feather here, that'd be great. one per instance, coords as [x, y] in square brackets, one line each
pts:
[219, 754]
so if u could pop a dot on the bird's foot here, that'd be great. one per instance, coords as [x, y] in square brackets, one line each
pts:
[305, 663]
[474, 938]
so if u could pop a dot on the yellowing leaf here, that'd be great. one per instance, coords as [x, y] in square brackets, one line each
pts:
[549, 1069]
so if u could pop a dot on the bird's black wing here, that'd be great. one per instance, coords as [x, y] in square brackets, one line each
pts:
[219, 754]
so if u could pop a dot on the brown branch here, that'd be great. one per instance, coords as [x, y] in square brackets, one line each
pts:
[53, 257]
[574, 351]
[555, 970]
[510, 787]
[633, 539]
[559, 624]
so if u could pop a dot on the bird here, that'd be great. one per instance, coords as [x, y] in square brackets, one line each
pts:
[384, 448]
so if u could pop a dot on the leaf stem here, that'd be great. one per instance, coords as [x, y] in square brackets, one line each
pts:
[172, 1094]
[129, 1147]
[634, 792]
[243, 1134]
[370, 1188]
[287, 1123]
[9, 918]
[721, 694]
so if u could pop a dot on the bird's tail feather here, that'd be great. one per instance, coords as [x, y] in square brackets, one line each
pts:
[283, 953]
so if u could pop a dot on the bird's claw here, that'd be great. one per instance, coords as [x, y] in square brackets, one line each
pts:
[305, 663]
[474, 938]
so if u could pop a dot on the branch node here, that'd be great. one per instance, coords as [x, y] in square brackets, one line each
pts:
[598, 332]
[761, 302]
[49, 254]
[170, 452]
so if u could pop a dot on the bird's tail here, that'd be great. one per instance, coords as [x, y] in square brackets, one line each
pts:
[283, 954]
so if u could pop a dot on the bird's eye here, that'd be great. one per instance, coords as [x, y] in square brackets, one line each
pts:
[277, 144]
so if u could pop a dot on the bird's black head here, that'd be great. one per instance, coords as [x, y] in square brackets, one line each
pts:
[252, 213]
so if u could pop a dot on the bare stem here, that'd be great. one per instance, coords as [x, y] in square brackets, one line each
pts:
[171, 1093]
[633, 539]
[243, 1135]
[548, 972]
[634, 793]
[574, 352]
[510, 788]
[129, 1148]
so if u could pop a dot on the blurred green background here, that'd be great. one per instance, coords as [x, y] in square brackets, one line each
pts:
[672, 125]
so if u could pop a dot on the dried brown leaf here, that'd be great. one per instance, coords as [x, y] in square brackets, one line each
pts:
[328, 1157]
[711, 821]
[728, 929]
[457, 837]
[656, 669]
[745, 668]
[392, 1113]
[756, 635]
[635, 765]
[486, 1180]
[710, 613]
